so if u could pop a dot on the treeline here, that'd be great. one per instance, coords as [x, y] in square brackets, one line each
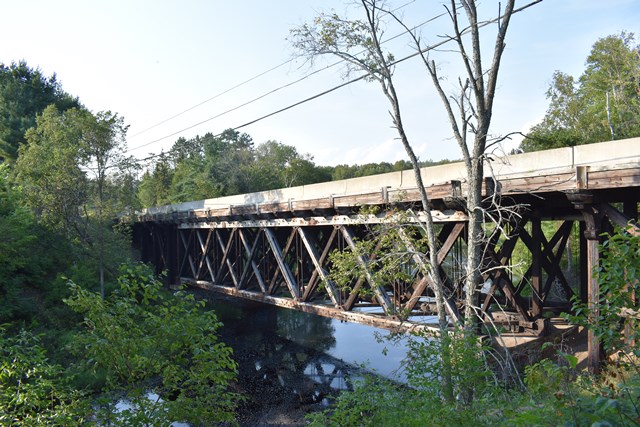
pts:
[81, 323]
[602, 104]
[231, 163]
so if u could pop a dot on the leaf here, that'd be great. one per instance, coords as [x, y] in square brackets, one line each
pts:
[571, 360]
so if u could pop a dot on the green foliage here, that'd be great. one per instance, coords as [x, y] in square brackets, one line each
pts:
[33, 391]
[380, 256]
[366, 406]
[616, 322]
[146, 339]
[350, 40]
[555, 395]
[30, 259]
[49, 171]
[457, 353]
[52, 169]
[603, 104]
[226, 164]
[24, 93]
[154, 188]
[427, 400]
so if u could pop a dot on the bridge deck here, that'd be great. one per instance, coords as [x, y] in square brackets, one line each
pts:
[603, 166]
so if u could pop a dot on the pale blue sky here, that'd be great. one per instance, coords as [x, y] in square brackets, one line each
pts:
[149, 60]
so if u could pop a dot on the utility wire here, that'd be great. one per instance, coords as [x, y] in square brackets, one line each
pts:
[236, 87]
[265, 94]
[212, 98]
[254, 78]
[445, 40]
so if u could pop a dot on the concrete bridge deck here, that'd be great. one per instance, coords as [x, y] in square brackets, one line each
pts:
[604, 166]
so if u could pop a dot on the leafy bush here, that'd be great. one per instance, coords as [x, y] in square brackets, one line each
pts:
[148, 340]
[33, 391]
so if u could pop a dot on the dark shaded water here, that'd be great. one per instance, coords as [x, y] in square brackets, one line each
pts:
[297, 362]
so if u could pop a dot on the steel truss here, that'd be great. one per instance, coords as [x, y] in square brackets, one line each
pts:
[286, 262]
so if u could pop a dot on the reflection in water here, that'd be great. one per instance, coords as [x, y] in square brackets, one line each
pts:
[307, 330]
[294, 360]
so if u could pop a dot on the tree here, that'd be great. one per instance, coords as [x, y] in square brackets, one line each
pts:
[603, 104]
[358, 43]
[149, 340]
[24, 93]
[279, 165]
[155, 185]
[228, 159]
[30, 257]
[52, 168]
[102, 148]
[49, 169]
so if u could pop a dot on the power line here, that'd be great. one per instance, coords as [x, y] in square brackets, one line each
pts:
[212, 98]
[254, 78]
[263, 95]
[445, 40]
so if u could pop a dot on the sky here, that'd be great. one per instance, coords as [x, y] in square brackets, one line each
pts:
[184, 68]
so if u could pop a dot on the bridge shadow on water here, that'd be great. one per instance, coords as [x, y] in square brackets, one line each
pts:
[285, 365]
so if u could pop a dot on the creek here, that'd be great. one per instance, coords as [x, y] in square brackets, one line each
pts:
[291, 362]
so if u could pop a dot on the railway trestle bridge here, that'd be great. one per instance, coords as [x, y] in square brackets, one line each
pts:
[274, 246]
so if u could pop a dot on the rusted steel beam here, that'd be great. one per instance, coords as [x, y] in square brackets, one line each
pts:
[204, 256]
[536, 267]
[593, 222]
[187, 253]
[274, 284]
[225, 261]
[354, 294]
[310, 245]
[548, 260]
[593, 218]
[250, 252]
[313, 281]
[284, 268]
[496, 268]
[376, 320]
[318, 221]
[559, 239]
[621, 220]
[378, 291]
[450, 306]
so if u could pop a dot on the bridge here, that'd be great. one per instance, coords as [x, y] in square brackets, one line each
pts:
[541, 244]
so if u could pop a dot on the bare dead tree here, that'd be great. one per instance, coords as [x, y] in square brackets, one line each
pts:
[469, 111]
[332, 35]
[470, 114]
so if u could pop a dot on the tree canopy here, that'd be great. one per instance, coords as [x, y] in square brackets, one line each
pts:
[24, 93]
[602, 104]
